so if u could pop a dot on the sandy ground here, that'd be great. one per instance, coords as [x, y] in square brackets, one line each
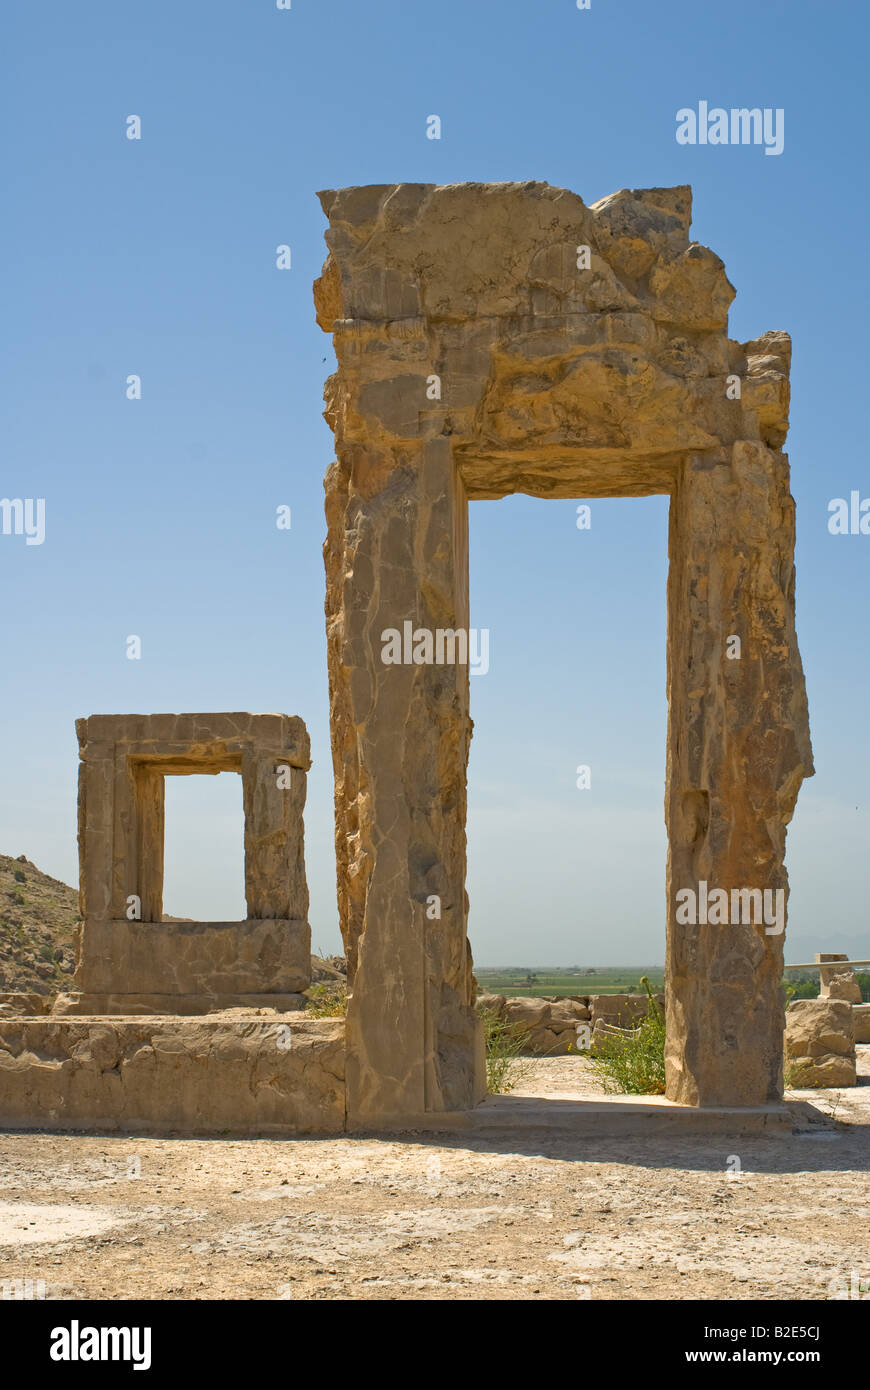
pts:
[535, 1215]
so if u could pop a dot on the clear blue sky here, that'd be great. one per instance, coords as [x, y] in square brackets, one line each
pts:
[157, 257]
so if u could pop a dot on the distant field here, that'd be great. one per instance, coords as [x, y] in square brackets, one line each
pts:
[515, 981]
[534, 981]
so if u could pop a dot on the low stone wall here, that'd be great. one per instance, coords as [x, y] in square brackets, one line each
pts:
[553, 1026]
[232, 1072]
[819, 1043]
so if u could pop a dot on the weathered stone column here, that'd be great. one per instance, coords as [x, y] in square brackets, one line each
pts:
[401, 734]
[275, 884]
[738, 749]
[148, 830]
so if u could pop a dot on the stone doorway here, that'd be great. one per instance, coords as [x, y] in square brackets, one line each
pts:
[500, 338]
[566, 842]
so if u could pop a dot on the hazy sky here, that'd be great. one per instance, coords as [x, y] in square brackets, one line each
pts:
[156, 257]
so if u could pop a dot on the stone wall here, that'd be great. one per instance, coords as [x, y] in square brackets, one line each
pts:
[235, 1071]
[550, 1025]
[820, 1034]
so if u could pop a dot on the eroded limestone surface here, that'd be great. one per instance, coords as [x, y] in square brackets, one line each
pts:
[820, 1043]
[838, 981]
[499, 338]
[237, 1071]
[127, 947]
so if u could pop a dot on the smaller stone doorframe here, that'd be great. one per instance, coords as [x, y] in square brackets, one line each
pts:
[502, 338]
[130, 960]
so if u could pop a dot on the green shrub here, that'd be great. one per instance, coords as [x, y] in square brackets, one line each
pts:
[327, 1001]
[807, 986]
[20, 876]
[801, 989]
[633, 1063]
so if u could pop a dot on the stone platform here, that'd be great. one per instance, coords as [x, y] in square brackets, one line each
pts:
[260, 1072]
[626, 1116]
[603, 1117]
[235, 1072]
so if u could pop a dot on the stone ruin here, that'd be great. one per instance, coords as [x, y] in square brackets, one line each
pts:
[500, 338]
[820, 1034]
[491, 339]
[132, 961]
[177, 1024]
[558, 1025]
[837, 981]
[820, 1043]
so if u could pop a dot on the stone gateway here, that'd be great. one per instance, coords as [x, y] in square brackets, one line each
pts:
[501, 338]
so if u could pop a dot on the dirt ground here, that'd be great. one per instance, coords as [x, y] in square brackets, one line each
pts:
[535, 1215]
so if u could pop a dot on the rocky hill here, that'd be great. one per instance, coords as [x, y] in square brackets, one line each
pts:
[38, 920]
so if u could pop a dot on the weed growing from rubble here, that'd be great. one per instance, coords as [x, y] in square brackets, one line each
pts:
[505, 1067]
[632, 1060]
[327, 1001]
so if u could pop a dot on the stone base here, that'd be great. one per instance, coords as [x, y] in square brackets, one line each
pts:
[224, 1074]
[605, 1117]
[217, 958]
[180, 1004]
